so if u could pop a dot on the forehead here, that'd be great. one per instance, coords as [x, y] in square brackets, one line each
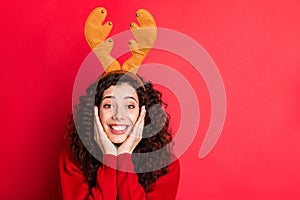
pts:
[120, 91]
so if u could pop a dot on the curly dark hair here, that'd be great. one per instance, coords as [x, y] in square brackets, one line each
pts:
[157, 134]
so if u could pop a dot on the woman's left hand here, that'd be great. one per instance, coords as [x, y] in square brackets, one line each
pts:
[135, 136]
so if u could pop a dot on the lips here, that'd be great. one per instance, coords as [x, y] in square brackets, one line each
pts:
[118, 129]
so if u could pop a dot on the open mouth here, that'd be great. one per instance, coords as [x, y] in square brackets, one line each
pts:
[118, 129]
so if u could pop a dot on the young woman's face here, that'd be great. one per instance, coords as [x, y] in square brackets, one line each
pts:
[119, 110]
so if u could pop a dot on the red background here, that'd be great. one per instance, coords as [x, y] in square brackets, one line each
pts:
[255, 44]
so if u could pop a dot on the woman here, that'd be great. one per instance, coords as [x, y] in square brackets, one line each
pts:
[119, 135]
[115, 127]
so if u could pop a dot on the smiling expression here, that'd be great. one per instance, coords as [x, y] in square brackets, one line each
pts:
[118, 111]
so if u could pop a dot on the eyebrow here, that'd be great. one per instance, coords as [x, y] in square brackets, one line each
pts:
[113, 97]
[129, 97]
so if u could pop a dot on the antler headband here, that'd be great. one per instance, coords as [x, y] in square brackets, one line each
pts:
[96, 33]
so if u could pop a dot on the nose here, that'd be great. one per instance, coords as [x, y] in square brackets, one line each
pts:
[119, 113]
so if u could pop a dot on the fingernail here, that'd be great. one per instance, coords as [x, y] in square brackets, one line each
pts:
[131, 24]
[137, 14]
[110, 40]
[109, 23]
[129, 42]
[102, 11]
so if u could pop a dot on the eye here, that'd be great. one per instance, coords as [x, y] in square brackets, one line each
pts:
[130, 106]
[108, 105]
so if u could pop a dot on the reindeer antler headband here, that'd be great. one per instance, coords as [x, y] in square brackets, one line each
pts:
[96, 35]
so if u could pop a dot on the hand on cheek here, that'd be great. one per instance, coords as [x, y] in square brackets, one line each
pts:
[106, 146]
[135, 136]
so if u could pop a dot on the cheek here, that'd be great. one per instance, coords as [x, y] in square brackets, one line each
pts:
[133, 115]
[104, 115]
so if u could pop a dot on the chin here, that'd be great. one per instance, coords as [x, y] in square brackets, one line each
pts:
[118, 139]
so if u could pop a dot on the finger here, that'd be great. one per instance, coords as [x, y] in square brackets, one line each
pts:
[97, 120]
[138, 122]
[142, 116]
[96, 133]
[95, 113]
[137, 133]
[100, 129]
[139, 125]
[140, 129]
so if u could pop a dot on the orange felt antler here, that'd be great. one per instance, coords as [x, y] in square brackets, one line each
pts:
[145, 36]
[96, 34]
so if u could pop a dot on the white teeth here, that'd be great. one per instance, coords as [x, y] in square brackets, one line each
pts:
[118, 128]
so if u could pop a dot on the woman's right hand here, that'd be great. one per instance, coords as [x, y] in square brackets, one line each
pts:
[100, 136]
